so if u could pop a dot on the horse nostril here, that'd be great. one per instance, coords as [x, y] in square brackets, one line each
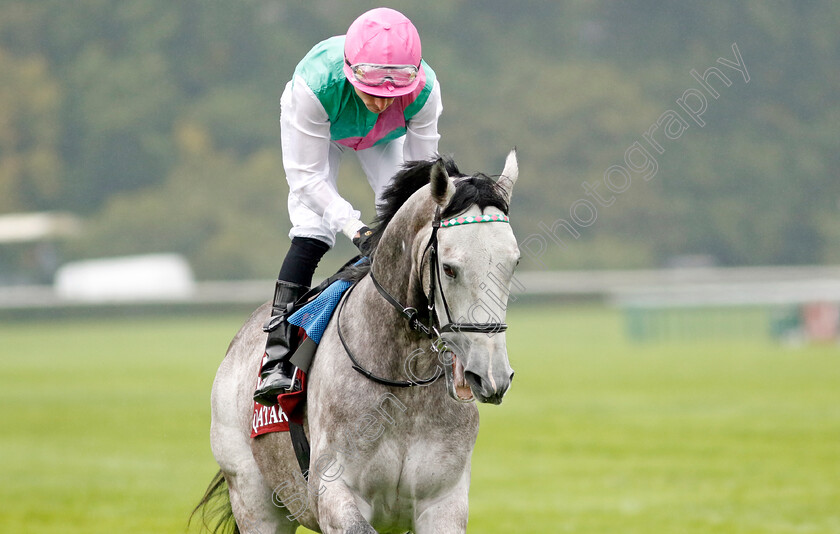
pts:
[511, 375]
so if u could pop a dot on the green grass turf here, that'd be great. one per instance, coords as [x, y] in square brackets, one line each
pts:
[104, 429]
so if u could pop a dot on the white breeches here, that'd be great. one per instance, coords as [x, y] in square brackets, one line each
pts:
[379, 163]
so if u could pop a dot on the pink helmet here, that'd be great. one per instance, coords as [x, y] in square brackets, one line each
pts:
[383, 46]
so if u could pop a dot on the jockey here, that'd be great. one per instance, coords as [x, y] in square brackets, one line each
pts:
[368, 92]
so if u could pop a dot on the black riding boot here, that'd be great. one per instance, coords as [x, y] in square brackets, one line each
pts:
[276, 372]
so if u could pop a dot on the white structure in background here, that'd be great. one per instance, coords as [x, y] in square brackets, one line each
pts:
[34, 227]
[154, 277]
[29, 245]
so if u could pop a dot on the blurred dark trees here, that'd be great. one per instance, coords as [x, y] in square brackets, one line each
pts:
[157, 121]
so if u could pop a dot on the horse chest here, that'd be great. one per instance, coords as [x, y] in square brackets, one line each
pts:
[413, 461]
[397, 476]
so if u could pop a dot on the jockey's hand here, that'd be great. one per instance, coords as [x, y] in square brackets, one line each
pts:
[362, 240]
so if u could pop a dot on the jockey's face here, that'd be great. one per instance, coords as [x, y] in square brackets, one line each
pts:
[375, 104]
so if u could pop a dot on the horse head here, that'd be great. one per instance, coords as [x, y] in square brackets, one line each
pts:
[472, 268]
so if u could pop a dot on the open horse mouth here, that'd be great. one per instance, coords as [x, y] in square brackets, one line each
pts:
[456, 381]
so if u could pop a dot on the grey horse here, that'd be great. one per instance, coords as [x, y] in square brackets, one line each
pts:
[384, 458]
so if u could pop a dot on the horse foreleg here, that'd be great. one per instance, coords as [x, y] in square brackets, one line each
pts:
[339, 514]
[444, 515]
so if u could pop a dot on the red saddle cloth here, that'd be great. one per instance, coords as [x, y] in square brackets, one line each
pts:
[267, 419]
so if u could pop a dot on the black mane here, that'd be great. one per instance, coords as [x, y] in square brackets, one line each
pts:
[478, 189]
[413, 176]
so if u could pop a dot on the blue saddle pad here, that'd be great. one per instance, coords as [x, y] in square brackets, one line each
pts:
[315, 316]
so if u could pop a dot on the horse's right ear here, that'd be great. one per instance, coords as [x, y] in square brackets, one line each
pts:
[440, 183]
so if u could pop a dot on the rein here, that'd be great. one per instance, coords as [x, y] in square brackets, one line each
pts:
[411, 314]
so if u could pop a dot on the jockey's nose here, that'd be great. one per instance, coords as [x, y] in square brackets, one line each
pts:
[381, 104]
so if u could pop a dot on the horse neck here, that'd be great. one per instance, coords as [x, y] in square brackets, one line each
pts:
[394, 265]
[399, 250]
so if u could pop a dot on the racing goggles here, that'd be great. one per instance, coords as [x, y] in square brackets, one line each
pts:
[376, 75]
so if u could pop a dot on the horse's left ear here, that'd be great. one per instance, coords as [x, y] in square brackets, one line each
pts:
[440, 183]
[509, 174]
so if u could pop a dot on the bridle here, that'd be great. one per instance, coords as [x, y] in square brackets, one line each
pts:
[432, 331]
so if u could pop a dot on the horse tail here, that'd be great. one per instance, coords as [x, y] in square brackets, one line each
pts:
[215, 507]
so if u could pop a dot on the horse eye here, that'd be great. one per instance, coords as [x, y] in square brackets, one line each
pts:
[448, 270]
